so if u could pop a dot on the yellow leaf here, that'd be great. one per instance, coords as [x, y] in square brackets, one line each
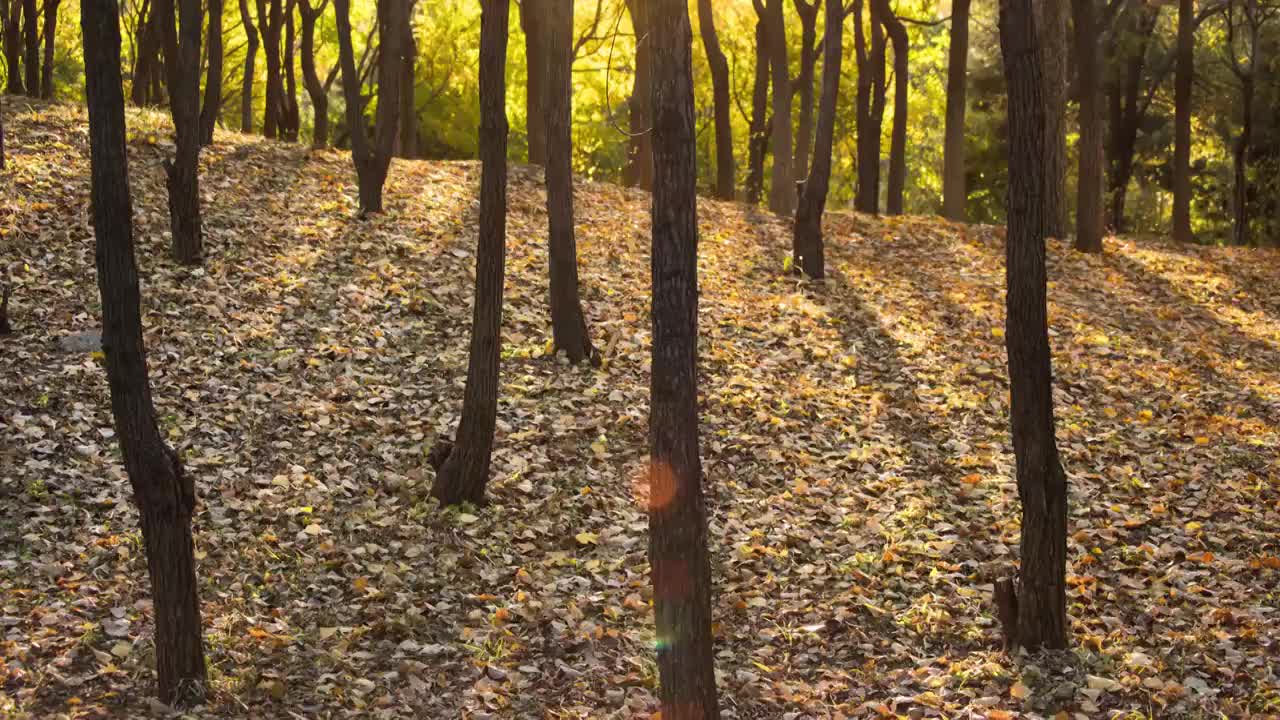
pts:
[997, 332]
[1019, 691]
[587, 538]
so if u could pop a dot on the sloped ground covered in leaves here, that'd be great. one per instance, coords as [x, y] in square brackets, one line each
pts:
[854, 433]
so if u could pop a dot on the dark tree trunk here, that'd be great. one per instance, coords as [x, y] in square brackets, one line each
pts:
[250, 54]
[407, 135]
[271, 22]
[1, 130]
[898, 138]
[807, 245]
[568, 325]
[315, 88]
[13, 45]
[1089, 176]
[639, 169]
[1240, 164]
[758, 142]
[182, 65]
[1051, 23]
[1042, 483]
[954, 193]
[290, 120]
[1183, 79]
[213, 80]
[719, 67]
[145, 44]
[678, 555]
[808, 60]
[465, 472]
[165, 496]
[782, 188]
[870, 106]
[31, 47]
[1126, 110]
[50, 33]
[533, 21]
[372, 159]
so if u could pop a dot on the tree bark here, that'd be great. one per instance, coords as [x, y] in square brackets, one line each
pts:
[50, 35]
[639, 169]
[568, 325]
[372, 160]
[870, 106]
[250, 54]
[954, 193]
[270, 22]
[898, 137]
[1240, 163]
[182, 66]
[13, 45]
[1126, 109]
[31, 47]
[719, 67]
[310, 78]
[533, 25]
[758, 142]
[164, 494]
[807, 246]
[782, 189]
[465, 473]
[808, 13]
[1042, 483]
[1051, 23]
[213, 80]
[407, 134]
[678, 555]
[1, 129]
[1089, 221]
[1185, 75]
[290, 119]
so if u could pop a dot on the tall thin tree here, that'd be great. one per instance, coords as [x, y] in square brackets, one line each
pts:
[678, 555]
[463, 474]
[897, 183]
[803, 85]
[807, 245]
[290, 117]
[1042, 484]
[247, 77]
[50, 36]
[182, 68]
[271, 24]
[1051, 23]
[955, 194]
[869, 109]
[719, 67]
[1183, 79]
[11, 19]
[758, 140]
[782, 189]
[639, 167]
[533, 20]
[31, 47]
[164, 494]
[1089, 220]
[213, 80]
[311, 79]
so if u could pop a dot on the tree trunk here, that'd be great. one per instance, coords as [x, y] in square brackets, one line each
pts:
[13, 45]
[807, 244]
[1185, 75]
[678, 555]
[165, 496]
[870, 106]
[1240, 163]
[407, 135]
[639, 169]
[533, 22]
[290, 119]
[954, 193]
[271, 21]
[782, 188]
[568, 325]
[31, 47]
[147, 48]
[1042, 483]
[50, 35]
[213, 80]
[898, 138]
[1089, 176]
[465, 472]
[182, 66]
[1, 129]
[719, 67]
[315, 88]
[1126, 111]
[758, 142]
[372, 160]
[1051, 23]
[250, 54]
[808, 60]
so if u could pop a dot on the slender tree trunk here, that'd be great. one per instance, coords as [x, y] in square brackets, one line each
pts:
[147, 64]
[719, 67]
[315, 88]
[291, 122]
[782, 189]
[870, 106]
[213, 80]
[1185, 75]
[1240, 164]
[639, 169]
[1042, 484]
[808, 60]
[954, 193]
[164, 494]
[678, 555]
[1126, 111]
[13, 45]
[31, 47]
[407, 138]
[182, 65]
[1, 130]
[1089, 176]
[533, 14]
[372, 160]
[568, 325]
[465, 472]
[758, 142]
[898, 138]
[270, 21]
[807, 244]
[50, 35]
[250, 54]
[1051, 23]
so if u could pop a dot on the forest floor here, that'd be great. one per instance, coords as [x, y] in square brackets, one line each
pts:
[854, 432]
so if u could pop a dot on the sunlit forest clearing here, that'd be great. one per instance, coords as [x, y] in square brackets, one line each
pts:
[855, 445]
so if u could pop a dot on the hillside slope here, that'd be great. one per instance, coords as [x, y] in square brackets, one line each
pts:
[854, 435]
